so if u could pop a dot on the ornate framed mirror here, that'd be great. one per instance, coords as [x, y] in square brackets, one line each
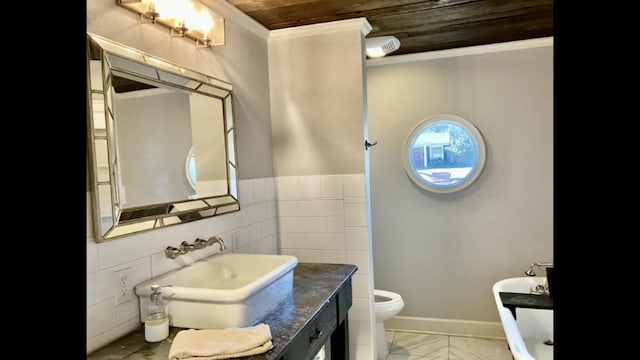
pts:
[444, 153]
[149, 120]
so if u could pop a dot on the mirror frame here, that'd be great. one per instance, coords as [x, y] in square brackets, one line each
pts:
[108, 222]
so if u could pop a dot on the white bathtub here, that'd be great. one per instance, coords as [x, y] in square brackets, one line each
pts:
[527, 334]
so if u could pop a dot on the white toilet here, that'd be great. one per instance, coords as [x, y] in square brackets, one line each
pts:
[387, 305]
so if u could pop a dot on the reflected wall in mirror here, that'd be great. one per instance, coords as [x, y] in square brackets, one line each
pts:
[161, 142]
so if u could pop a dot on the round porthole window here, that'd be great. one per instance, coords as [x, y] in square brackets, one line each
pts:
[190, 169]
[444, 153]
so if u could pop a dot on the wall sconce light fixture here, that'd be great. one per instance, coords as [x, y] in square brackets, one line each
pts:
[184, 18]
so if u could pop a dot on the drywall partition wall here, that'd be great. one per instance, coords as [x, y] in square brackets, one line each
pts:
[318, 123]
[461, 243]
[242, 61]
[316, 77]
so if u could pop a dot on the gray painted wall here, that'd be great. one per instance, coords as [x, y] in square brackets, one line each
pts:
[317, 112]
[443, 253]
[318, 121]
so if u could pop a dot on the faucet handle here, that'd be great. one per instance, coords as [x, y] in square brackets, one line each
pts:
[199, 243]
[171, 252]
[185, 247]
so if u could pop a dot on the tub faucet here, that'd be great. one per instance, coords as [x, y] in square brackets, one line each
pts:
[530, 272]
[539, 289]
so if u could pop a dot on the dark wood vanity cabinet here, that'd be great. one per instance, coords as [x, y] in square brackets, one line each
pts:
[340, 336]
[311, 339]
[329, 324]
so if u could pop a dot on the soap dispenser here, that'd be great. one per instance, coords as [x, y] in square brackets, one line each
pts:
[156, 325]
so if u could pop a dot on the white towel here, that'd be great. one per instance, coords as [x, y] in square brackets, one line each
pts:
[213, 344]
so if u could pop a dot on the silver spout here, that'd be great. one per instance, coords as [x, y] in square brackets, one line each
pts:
[217, 239]
[530, 272]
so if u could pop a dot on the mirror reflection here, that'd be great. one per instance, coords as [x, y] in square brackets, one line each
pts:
[162, 142]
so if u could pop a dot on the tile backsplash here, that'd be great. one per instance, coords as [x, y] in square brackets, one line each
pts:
[315, 218]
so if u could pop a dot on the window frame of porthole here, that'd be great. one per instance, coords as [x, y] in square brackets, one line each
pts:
[443, 187]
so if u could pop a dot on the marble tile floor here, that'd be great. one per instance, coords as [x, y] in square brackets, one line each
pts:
[419, 346]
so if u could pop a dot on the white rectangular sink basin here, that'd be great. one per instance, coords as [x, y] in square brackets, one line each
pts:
[223, 290]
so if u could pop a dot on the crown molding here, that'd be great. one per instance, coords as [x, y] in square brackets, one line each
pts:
[360, 24]
[471, 50]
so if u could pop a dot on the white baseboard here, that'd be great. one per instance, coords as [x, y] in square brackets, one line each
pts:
[484, 329]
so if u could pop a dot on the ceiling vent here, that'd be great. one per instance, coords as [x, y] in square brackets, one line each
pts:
[382, 45]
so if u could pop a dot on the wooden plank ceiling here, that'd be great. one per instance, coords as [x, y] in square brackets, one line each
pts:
[419, 25]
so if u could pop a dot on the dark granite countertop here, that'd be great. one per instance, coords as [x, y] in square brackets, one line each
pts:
[313, 285]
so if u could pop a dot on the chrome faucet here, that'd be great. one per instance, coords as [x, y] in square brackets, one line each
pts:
[216, 239]
[530, 272]
[539, 289]
[173, 252]
[200, 244]
[185, 247]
